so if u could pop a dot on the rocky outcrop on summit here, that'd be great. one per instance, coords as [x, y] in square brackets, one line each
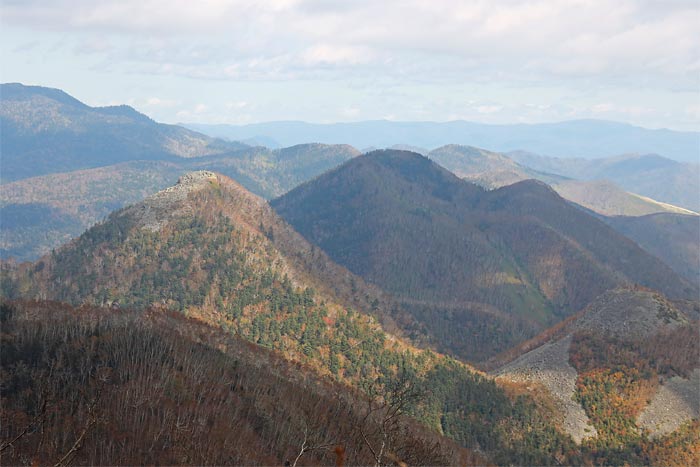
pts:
[629, 313]
[157, 210]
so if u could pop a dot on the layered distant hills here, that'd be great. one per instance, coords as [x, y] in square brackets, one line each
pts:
[41, 213]
[650, 175]
[590, 185]
[45, 130]
[487, 168]
[578, 138]
[482, 270]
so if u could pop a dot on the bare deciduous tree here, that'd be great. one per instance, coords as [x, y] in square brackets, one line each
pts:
[380, 427]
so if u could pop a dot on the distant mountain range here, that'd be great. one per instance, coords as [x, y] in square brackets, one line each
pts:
[487, 168]
[649, 175]
[42, 212]
[45, 130]
[590, 188]
[578, 138]
[482, 270]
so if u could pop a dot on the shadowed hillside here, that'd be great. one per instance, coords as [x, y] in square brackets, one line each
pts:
[675, 238]
[481, 270]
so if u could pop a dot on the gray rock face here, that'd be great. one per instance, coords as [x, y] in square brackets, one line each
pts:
[676, 402]
[629, 314]
[633, 313]
[549, 365]
[155, 211]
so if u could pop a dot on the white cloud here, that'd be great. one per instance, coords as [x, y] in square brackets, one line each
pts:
[237, 105]
[326, 54]
[602, 108]
[538, 39]
[488, 109]
[158, 102]
[350, 112]
[574, 48]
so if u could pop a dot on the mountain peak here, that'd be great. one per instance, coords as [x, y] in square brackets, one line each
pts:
[196, 178]
[533, 184]
[525, 192]
[21, 92]
[414, 167]
[125, 111]
[629, 312]
[156, 210]
[466, 149]
[395, 155]
[186, 184]
[203, 193]
[47, 131]
[404, 223]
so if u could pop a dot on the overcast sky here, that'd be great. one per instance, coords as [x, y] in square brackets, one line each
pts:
[244, 61]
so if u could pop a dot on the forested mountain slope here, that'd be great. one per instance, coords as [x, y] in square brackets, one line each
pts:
[482, 270]
[214, 251]
[42, 213]
[626, 372]
[99, 386]
[675, 238]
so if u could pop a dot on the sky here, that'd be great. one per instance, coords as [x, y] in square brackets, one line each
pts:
[247, 61]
